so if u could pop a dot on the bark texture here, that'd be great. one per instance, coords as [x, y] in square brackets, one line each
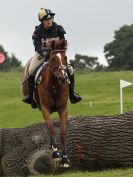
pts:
[93, 143]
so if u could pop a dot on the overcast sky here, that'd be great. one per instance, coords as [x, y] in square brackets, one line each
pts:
[89, 24]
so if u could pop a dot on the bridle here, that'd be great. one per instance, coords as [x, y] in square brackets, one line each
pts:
[59, 71]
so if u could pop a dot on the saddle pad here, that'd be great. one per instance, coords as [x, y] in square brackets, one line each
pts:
[37, 79]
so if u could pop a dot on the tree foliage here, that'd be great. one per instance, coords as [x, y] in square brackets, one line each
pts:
[119, 52]
[84, 61]
[10, 62]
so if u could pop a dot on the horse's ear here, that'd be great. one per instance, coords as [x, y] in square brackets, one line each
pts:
[65, 44]
[53, 44]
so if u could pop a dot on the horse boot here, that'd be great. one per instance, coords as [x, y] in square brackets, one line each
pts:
[29, 98]
[74, 98]
[56, 154]
[65, 163]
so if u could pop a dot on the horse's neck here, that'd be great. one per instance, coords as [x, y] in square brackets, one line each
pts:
[47, 76]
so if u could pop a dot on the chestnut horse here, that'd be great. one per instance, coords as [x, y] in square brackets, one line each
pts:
[53, 93]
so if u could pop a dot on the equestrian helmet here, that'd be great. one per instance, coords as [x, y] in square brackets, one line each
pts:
[45, 14]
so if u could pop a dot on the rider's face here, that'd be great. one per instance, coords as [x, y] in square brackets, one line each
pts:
[47, 23]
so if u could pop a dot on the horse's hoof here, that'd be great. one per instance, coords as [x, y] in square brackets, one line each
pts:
[65, 162]
[56, 157]
[56, 162]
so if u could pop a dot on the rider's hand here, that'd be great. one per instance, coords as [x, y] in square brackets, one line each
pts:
[45, 53]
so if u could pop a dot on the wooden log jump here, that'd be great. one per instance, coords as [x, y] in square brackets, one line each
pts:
[94, 142]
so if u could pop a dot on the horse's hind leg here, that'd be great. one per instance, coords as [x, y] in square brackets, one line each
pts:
[63, 113]
[49, 122]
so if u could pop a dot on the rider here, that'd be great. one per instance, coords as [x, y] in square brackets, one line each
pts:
[47, 30]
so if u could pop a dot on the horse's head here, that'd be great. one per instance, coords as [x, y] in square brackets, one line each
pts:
[59, 44]
[58, 61]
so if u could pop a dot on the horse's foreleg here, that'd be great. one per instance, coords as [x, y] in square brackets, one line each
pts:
[63, 113]
[49, 122]
[50, 125]
[63, 118]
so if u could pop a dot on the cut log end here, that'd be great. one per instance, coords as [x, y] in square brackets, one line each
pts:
[40, 162]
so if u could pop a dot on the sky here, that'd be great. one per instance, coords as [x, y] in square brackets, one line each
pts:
[89, 24]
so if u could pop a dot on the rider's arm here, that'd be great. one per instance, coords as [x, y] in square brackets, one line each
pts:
[37, 42]
[61, 32]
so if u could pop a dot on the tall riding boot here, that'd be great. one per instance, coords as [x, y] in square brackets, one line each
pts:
[74, 98]
[28, 98]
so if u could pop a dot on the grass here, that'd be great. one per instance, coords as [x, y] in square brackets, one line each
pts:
[99, 88]
[105, 173]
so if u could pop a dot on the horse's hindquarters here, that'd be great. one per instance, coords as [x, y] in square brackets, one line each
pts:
[24, 82]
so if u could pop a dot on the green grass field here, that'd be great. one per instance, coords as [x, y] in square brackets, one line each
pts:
[99, 88]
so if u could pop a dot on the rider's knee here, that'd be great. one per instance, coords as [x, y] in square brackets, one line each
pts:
[30, 70]
[36, 60]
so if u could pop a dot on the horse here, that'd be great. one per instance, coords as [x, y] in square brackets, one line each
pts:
[52, 95]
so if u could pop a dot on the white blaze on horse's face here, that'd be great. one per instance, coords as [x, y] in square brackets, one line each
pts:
[61, 65]
[59, 56]
[63, 77]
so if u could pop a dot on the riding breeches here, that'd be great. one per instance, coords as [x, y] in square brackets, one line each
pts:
[36, 61]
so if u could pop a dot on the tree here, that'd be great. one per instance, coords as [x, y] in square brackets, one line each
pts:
[10, 62]
[119, 52]
[14, 61]
[84, 61]
[93, 142]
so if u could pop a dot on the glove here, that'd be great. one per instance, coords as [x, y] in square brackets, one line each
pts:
[45, 53]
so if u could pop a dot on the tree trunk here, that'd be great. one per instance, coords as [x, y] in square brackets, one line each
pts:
[93, 143]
